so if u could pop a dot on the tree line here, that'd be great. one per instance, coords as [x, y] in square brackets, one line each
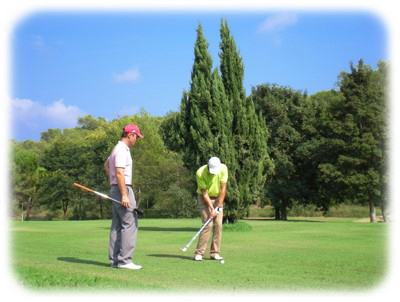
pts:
[282, 146]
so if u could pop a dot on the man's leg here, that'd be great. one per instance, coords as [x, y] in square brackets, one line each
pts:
[115, 238]
[217, 233]
[205, 234]
[123, 229]
[129, 228]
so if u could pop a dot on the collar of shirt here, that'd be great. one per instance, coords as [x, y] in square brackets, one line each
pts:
[126, 147]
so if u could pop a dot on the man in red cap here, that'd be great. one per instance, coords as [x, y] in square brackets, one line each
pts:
[124, 224]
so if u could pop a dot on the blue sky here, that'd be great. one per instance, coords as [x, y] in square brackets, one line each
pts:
[66, 65]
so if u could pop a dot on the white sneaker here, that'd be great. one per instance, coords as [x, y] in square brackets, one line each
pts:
[216, 257]
[198, 257]
[129, 266]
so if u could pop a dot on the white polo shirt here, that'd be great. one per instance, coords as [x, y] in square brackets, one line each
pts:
[120, 157]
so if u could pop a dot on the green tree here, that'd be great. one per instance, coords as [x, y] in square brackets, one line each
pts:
[67, 159]
[26, 175]
[90, 123]
[283, 111]
[56, 191]
[314, 149]
[250, 164]
[194, 122]
[50, 134]
[357, 138]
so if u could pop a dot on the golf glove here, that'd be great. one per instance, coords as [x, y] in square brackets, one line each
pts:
[218, 210]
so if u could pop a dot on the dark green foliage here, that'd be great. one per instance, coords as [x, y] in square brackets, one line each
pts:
[194, 122]
[216, 119]
[250, 164]
[26, 176]
[356, 138]
[283, 110]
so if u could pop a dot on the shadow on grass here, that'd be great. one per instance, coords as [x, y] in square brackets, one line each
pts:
[273, 219]
[158, 229]
[82, 261]
[170, 256]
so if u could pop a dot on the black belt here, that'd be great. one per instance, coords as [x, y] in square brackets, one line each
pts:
[125, 185]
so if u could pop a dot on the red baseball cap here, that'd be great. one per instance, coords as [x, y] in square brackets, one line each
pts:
[132, 128]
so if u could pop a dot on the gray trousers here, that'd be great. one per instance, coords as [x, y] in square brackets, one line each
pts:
[124, 227]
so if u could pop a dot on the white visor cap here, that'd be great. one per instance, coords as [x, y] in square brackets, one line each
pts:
[214, 165]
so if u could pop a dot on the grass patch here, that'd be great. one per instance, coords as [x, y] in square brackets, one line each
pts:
[298, 210]
[239, 226]
[275, 255]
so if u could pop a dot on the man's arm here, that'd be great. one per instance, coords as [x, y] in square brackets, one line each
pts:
[122, 187]
[222, 195]
[208, 202]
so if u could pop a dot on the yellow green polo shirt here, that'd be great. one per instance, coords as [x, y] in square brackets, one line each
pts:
[211, 182]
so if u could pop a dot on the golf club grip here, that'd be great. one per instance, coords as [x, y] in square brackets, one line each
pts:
[82, 187]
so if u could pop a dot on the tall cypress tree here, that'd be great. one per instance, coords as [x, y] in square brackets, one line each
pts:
[216, 119]
[204, 123]
[251, 164]
[193, 120]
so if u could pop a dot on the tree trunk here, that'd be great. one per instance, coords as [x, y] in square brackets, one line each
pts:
[229, 219]
[29, 209]
[284, 212]
[372, 214]
[277, 213]
[383, 211]
[65, 209]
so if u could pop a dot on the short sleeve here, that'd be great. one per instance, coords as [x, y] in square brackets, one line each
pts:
[224, 174]
[201, 184]
[121, 159]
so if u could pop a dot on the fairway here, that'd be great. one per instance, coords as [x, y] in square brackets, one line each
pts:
[274, 255]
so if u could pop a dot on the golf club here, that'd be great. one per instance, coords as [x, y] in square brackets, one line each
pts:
[184, 249]
[139, 211]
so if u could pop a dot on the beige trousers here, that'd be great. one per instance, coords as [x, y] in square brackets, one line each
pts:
[205, 234]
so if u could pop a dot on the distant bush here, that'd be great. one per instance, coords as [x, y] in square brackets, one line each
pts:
[239, 226]
[345, 210]
[341, 210]
[308, 210]
[176, 202]
[267, 211]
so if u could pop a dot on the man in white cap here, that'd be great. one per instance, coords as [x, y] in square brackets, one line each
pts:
[211, 188]
[124, 223]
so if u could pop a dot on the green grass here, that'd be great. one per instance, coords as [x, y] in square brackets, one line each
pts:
[317, 254]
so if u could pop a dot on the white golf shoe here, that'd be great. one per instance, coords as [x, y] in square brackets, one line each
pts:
[198, 257]
[216, 257]
[130, 266]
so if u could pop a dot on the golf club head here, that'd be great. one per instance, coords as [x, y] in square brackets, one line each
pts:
[139, 211]
[184, 249]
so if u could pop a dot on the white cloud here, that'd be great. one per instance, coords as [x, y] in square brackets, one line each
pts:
[33, 114]
[130, 75]
[278, 22]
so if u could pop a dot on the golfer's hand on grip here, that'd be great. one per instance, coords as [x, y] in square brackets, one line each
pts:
[125, 201]
[212, 212]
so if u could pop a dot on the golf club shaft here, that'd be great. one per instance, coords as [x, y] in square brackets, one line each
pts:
[197, 234]
[139, 211]
[97, 193]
